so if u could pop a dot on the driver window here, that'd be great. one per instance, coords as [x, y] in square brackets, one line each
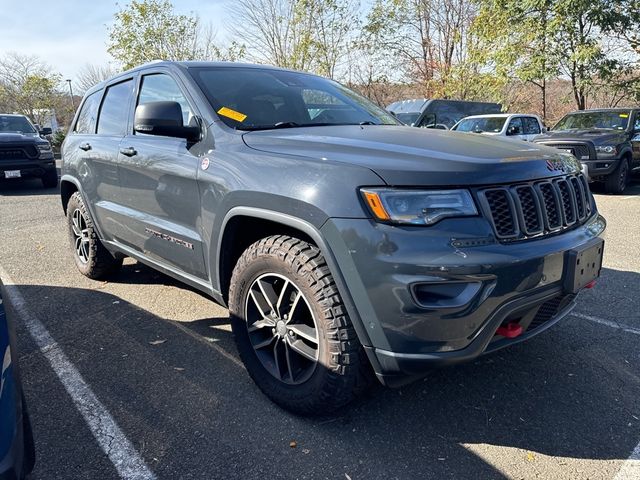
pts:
[159, 87]
[515, 126]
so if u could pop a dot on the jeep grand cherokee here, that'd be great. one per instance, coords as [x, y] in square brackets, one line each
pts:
[343, 243]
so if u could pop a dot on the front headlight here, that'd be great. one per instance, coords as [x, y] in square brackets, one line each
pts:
[607, 149]
[44, 147]
[418, 207]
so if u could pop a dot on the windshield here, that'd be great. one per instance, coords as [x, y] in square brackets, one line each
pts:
[408, 118]
[618, 120]
[15, 124]
[254, 99]
[479, 125]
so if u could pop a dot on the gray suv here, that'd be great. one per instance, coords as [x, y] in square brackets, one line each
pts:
[345, 245]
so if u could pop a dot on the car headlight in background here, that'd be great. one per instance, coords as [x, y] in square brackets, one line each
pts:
[44, 147]
[418, 207]
[606, 149]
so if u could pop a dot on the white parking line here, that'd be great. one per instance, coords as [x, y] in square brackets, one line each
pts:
[608, 323]
[113, 442]
[630, 469]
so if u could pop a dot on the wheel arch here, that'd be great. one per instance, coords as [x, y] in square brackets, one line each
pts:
[68, 186]
[272, 222]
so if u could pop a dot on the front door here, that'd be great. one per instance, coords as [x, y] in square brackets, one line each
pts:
[159, 187]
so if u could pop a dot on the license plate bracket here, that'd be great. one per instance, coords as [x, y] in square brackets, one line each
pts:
[582, 265]
[12, 174]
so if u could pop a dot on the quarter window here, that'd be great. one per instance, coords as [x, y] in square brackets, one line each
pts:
[162, 88]
[115, 109]
[88, 113]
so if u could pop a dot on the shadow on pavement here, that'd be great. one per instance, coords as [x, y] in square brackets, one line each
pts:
[567, 393]
[25, 187]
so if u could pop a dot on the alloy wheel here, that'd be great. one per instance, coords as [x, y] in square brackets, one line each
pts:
[81, 235]
[282, 328]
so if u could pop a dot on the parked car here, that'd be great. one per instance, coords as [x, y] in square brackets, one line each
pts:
[17, 453]
[606, 141]
[341, 241]
[514, 125]
[24, 153]
[441, 114]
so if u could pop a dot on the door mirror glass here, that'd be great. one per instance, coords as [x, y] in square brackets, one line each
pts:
[164, 119]
[45, 131]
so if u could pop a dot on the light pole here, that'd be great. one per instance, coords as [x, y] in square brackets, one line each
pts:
[73, 105]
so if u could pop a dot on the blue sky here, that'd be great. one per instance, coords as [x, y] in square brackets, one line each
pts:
[68, 34]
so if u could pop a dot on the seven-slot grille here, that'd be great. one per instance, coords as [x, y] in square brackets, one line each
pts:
[537, 208]
[18, 153]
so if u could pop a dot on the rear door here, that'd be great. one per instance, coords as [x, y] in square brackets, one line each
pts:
[531, 127]
[93, 147]
[159, 188]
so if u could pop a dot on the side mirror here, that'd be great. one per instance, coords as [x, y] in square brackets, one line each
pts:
[45, 131]
[163, 119]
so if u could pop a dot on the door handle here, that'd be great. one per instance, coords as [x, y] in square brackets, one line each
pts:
[129, 152]
[85, 146]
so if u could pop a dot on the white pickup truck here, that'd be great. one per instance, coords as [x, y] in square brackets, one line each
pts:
[515, 125]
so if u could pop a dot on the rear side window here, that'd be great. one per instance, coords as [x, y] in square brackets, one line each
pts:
[531, 126]
[162, 88]
[115, 109]
[88, 114]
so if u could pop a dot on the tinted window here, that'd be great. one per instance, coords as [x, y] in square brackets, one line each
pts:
[115, 109]
[14, 123]
[616, 120]
[256, 98]
[163, 88]
[515, 127]
[87, 118]
[531, 126]
[487, 124]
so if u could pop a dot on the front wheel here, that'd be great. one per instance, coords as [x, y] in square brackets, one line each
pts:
[91, 257]
[617, 181]
[291, 327]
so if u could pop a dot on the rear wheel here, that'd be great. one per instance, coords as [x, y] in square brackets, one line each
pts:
[616, 183]
[291, 328]
[91, 257]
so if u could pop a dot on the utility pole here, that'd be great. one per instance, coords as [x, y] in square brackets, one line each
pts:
[73, 105]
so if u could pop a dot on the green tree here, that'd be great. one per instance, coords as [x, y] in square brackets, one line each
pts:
[146, 30]
[535, 40]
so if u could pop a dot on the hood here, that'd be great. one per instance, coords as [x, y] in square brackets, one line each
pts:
[14, 137]
[413, 156]
[595, 136]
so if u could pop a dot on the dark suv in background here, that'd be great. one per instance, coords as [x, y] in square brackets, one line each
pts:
[606, 141]
[23, 151]
[342, 242]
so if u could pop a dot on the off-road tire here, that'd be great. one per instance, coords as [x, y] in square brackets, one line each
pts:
[100, 263]
[50, 179]
[342, 371]
[618, 180]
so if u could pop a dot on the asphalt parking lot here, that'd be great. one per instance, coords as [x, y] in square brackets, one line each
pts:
[160, 359]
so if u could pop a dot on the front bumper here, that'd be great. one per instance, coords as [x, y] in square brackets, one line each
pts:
[421, 301]
[600, 167]
[29, 168]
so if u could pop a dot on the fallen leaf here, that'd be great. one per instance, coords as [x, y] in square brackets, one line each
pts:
[156, 342]
[293, 444]
[179, 369]
[530, 457]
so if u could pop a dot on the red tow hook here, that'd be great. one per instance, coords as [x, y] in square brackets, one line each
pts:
[591, 284]
[510, 330]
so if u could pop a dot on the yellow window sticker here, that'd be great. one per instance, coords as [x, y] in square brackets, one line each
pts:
[232, 114]
[624, 115]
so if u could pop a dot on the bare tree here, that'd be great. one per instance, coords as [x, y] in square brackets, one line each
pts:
[90, 75]
[300, 34]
